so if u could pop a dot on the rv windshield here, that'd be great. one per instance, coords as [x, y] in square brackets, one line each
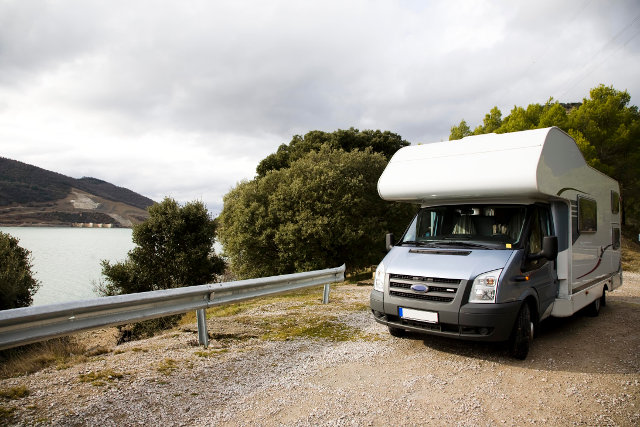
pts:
[486, 225]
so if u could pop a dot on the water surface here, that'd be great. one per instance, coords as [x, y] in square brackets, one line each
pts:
[66, 261]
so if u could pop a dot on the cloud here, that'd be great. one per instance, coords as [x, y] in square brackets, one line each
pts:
[185, 99]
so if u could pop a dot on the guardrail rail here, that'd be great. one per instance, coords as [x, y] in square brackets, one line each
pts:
[26, 325]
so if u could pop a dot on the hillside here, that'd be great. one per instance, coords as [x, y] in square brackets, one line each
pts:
[30, 195]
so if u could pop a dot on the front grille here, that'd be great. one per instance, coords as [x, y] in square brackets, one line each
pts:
[421, 279]
[425, 297]
[439, 289]
[401, 285]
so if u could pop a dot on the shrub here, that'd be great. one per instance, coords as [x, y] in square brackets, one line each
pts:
[17, 284]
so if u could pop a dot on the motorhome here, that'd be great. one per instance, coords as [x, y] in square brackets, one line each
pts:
[511, 229]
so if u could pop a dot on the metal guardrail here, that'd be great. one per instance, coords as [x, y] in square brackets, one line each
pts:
[20, 326]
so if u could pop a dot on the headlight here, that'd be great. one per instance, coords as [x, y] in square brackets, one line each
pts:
[484, 287]
[378, 280]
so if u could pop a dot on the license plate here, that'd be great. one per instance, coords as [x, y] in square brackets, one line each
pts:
[419, 315]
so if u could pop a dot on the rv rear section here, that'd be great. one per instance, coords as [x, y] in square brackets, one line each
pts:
[501, 246]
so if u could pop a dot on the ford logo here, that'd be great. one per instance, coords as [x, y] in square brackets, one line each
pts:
[419, 288]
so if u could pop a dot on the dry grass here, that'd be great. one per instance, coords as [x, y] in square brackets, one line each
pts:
[60, 352]
[167, 366]
[630, 255]
[14, 393]
[100, 378]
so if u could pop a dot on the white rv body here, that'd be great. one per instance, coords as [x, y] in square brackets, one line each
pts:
[543, 166]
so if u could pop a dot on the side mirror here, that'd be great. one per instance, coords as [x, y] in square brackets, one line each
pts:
[390, 239]
[550, 247]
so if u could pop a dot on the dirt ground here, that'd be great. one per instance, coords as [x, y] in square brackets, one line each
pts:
[580, 371]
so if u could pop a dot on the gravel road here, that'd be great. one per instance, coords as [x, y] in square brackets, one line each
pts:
[580, 371]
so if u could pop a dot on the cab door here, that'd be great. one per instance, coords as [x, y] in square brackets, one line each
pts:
[541, 272]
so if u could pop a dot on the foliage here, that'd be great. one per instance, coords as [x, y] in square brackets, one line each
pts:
[322, 211]
[386, 143]
[605, 127]
[17, 284]
[174, 248]
[460, 131]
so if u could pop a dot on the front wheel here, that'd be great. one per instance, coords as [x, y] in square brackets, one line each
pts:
[522, 334]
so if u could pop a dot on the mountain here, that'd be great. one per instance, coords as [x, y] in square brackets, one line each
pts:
[30, 195]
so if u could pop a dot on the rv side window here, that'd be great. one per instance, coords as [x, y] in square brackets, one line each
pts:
[615, 202]
[587, 215]
[615, 238]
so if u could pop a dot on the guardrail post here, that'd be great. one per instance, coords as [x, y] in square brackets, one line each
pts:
[203, 334]
[325, 297]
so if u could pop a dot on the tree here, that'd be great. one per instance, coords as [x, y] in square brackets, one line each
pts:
[386, 143]
[612, 128]
[460, 131]
[521, 119]
[605, 127]
[491, 122]
[322, 211]
[174, 248]
[17, 284]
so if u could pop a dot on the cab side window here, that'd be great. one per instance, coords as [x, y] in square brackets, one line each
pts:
[540, 227]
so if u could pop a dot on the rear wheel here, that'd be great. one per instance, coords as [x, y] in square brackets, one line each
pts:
[522, 334]
[594, 308]
[397, 332]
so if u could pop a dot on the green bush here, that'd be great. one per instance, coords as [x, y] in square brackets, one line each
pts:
[17, 284]
[320, 212]
[174, 248]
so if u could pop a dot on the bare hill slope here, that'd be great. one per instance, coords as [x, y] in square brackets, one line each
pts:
[30, 195]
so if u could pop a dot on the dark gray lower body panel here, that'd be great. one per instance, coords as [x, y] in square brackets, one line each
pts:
[477, 322]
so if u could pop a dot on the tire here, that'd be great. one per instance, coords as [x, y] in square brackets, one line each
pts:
[593, 309]
[522, 334]
[396, 332]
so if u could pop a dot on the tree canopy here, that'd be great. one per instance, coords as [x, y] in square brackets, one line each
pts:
[321, 211]
[17, 284]
[174, 248]
[605, 127]
[385, 143]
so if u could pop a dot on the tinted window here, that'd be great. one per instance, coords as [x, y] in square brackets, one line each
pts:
[587, 215]
[615, 202]
[615, 238]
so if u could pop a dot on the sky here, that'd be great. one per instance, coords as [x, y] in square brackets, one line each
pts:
[183, 99]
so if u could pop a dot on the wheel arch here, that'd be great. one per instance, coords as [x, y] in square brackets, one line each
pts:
[531, 298]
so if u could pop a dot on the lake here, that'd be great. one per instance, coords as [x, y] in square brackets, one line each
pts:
[66, 261]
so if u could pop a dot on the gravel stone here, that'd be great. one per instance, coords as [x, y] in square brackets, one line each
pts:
[580, 371]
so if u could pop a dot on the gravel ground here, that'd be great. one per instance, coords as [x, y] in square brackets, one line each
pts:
[580, 371]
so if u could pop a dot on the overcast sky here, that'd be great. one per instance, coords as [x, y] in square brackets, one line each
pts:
[184, 98]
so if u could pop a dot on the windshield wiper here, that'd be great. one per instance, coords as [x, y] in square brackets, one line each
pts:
[464, 244]
[414, 242]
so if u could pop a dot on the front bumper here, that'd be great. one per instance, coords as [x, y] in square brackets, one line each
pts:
[477, 322]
